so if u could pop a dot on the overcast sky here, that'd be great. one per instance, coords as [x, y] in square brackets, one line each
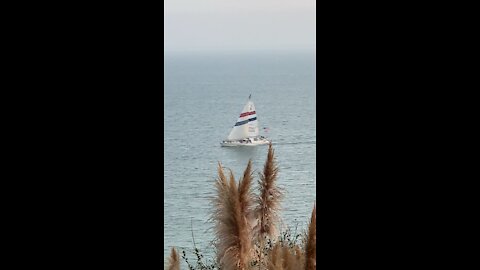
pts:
[239, 25]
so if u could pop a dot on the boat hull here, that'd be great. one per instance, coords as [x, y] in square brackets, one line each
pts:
[248, 144]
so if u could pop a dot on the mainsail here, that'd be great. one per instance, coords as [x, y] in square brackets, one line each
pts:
[247, 124]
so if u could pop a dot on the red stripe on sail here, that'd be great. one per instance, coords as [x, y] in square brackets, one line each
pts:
[247, 113]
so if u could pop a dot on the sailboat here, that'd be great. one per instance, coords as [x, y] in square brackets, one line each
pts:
[246, 132]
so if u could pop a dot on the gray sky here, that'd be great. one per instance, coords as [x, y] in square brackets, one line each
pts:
[239, 25]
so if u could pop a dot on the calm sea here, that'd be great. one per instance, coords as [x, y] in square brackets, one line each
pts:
[204, 95]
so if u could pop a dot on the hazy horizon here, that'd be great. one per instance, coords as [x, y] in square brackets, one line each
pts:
[239, 26]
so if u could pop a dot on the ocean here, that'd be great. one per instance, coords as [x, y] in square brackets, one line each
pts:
[204, 95]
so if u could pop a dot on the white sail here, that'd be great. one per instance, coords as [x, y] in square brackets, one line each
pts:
[246, 125]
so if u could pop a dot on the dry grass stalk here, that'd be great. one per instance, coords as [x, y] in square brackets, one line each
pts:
[311, 245]
[231, 215]
[173, 261]
[268, 201]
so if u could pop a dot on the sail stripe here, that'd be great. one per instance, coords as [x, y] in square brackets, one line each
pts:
[247, 113]
[245, 121]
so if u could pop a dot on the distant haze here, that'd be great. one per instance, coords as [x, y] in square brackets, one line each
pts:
[239, 25]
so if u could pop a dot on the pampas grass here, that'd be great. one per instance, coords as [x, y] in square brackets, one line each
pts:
[311, 246]
[246, 198]
[231, 216]
[173, 261]
[282, 257]
[268, 201]
[245, 225]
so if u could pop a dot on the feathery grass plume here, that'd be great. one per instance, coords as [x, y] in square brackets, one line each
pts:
[311, 245]
[231, 224]
[245, 194]
[221, 186]
[173, 261]
[286, 257]
[268, 201]
[282, 257]
[221, 177]
[275, 260]
[299, 255]
[245, 200]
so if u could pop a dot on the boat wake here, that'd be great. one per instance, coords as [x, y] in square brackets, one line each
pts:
[286, 143]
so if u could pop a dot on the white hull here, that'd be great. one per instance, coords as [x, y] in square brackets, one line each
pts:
[247, 143]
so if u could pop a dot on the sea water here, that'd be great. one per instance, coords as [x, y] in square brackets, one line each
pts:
[204, 95]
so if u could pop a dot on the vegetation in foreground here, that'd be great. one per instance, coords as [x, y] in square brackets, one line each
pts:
[246, 226]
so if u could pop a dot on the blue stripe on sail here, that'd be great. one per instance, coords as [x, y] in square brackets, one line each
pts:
[245, 121]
